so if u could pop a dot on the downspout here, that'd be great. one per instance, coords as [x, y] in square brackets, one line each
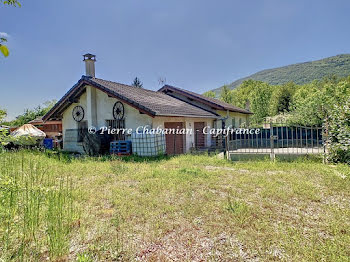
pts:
[225, 118]
[223, 125]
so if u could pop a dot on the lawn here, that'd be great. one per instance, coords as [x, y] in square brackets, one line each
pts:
[185, 208]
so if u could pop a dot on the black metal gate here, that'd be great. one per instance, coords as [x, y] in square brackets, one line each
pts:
[277, 139]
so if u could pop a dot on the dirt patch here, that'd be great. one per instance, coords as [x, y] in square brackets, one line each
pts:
[192, 243]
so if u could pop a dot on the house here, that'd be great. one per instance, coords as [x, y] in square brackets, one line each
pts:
[52, 128]
[94, 102]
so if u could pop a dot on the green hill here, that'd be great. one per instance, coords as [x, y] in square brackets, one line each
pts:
[301, 73]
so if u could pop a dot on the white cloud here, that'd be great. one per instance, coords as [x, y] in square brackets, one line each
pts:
[3, 34]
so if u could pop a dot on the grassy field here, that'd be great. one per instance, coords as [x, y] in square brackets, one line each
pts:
[185, 208]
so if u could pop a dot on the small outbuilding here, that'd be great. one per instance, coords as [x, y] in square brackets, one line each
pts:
[52, 128]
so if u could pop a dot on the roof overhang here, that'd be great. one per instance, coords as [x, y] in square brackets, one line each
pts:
[189, 116]
[167, 89]
[78, 89]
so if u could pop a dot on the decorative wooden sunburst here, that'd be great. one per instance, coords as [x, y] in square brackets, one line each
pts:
[118, 110]
[78, 113]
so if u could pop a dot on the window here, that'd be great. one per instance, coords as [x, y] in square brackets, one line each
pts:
[117, 124]
[240, 122]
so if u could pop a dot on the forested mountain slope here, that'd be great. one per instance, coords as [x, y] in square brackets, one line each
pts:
[300, 73]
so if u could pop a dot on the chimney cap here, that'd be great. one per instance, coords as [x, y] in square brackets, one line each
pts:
[89, 56]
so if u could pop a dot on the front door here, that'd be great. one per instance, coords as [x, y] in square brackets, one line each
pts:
[174, 142]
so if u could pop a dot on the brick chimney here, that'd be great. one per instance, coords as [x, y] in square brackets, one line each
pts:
[89, 60]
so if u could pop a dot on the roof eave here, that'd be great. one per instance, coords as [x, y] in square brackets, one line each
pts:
[87, 81]
[167, 87]
[239, 111]
[185, 115]
[216, 106]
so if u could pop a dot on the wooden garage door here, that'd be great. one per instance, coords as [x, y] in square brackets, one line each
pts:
[174, 143]
[199, 137]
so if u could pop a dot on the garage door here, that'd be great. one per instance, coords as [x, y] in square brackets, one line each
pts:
[199, 137]
[174, 143]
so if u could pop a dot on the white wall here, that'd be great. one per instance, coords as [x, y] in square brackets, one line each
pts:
[133, 118]
[97, 117]
[229, 117]
[68, 122]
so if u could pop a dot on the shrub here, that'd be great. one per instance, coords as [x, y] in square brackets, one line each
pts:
[339, 133]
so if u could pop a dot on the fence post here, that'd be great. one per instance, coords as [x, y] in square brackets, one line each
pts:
[227, 149]
[325, 140]
[272, 153]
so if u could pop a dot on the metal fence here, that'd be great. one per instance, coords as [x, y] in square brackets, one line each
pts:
[278, 139]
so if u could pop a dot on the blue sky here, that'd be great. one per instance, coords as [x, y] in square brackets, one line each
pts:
[198, 45]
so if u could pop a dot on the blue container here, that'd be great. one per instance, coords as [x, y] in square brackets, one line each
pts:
[48, 143]
[120, 147]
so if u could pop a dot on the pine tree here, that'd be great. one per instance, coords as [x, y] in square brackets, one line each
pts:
[226, 94]
[137, 83]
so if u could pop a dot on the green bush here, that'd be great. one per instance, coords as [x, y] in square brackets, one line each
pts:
[339, 133]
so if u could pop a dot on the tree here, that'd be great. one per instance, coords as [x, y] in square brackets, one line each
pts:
[307, 105]
[31, 114]
[313, 103]
[3, 114]
[210, 94]
[259, 102]
[137, 83]
[11, 2]
[3, 48]
[4, 133]
[281, 98]
[241, 96]
[225, 94]
[256, 95]
[339, 133]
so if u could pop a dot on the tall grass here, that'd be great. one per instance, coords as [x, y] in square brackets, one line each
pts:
[183, 208]
[36, 207]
